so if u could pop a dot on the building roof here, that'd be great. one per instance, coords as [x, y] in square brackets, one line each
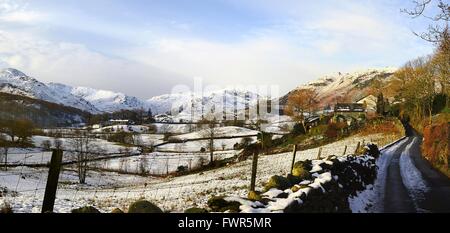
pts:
[367, 97]
[312, 119]
[349, 107]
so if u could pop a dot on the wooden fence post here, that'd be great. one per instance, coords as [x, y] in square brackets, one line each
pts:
[357, 147]
[319, 153]
[345, 150]
[52, 181]
[254, 169]
[167, 167]
[294, 152]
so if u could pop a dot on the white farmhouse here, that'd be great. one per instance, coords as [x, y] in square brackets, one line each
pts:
[370, 102]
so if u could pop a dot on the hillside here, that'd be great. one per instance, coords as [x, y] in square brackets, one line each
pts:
[15, 82]
[345, 86]
[40, 112]
[103, 100]
[96, 101]
[186, 103]
[331, 88]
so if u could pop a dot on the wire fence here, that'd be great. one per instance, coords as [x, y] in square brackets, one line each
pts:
[153, 176]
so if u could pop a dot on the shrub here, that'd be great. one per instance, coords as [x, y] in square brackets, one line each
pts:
[278, 182]
[245, 142]
[6, 208]
[219, 204]
[195, 210]
[121, 137]
[254, 196]
[318, 130]
[439, 103]
[381, 126]
[301, 169]
[117, 211]
[436, 144]
[298, 129]
[143, 206]
[373, 150]
[46, 145]
[86, 210]
[152, 129]
[182, 169]
[332, 131]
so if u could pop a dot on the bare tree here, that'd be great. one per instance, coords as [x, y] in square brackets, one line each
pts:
[84, 150]
[143, 165]
[209, 131]
[441, 65]
[301, 102]
[246, 141]
[438, 22]
[417, 87]
[4, 148]
[20, 129]
[57, 143]
[46, 145]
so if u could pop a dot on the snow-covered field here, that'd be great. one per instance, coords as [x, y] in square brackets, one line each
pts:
[123, 128]
[33, 156]
[226, 131]
[149, 139]
[163, 128]
[160, 163]
[171, 193]
[102, 145]
[219, 144]
[195, 146]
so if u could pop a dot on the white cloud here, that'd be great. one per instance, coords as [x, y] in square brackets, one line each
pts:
[22, 17]
[76, 65]
[18, 12]
[265, 60]
[305, 41]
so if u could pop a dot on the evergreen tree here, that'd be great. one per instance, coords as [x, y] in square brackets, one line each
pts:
[380, 104]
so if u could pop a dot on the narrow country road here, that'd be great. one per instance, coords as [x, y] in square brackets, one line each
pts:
[409, 183]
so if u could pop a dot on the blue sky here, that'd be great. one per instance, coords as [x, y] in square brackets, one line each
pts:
[144, 48]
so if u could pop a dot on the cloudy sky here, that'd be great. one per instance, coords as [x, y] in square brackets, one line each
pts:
[144, 48]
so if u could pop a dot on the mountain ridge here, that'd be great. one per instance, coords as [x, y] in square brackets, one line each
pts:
[330, 88]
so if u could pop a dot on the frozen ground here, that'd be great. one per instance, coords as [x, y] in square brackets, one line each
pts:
[372, 199]
[195, 146]
[219, 132]
[172, 193]
[102, 145]
[30, 156]
[161, 163]
[411, 176]
[149, 139]
[123, 128]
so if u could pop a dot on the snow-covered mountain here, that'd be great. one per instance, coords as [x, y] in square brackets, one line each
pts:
[92, 100]
[330, 88]
[15, 82]
[103, 100]
[344, 86]
[184, 104]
